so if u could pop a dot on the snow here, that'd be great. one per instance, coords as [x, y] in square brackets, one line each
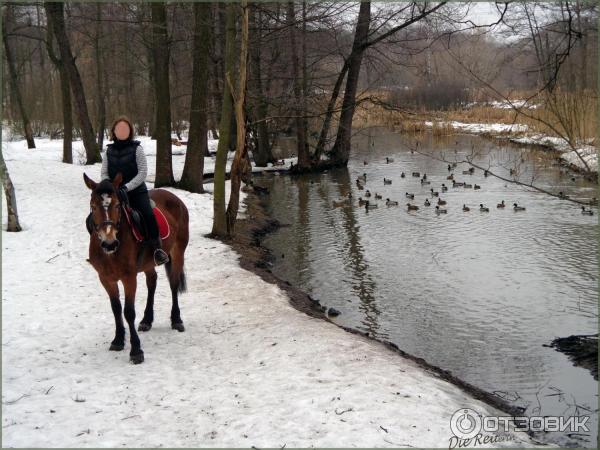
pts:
[586, 150]
[250, 370]
[505, 104]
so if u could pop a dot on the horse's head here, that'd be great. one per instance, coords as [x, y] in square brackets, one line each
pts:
[106, 210]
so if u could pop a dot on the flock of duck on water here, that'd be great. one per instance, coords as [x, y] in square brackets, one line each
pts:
[362, 179]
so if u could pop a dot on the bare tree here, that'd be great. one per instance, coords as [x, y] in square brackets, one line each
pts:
[11, 199]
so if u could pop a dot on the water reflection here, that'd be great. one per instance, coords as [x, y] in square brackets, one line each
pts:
[476, 293]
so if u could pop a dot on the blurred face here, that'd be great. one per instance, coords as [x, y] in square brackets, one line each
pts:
[122, 130]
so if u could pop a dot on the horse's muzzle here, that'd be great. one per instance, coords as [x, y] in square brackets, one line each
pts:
[110, 247]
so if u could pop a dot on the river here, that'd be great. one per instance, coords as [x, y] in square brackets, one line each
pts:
[476, 293]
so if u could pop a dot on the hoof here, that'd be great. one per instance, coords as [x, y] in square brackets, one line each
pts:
[178, 326]
[116, 347]
[143, 326]
[137, 358]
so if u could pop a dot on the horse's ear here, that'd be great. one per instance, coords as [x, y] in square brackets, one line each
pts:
[89, 182]
[117, 181]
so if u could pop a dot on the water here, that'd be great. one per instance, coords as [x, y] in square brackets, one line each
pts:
[475, 293]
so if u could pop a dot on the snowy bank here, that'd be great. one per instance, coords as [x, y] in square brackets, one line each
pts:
[518, 133]
[250, 370]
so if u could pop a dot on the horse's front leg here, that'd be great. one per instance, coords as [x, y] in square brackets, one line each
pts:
[136, 355]
[146, 322]
[112, 288]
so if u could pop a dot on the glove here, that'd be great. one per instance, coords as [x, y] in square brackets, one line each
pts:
[123, 195]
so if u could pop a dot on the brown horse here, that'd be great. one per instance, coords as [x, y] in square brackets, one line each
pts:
[117, 256]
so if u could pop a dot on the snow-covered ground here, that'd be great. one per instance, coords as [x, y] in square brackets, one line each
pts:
[519, 133]
[250, 370]
[505, 104]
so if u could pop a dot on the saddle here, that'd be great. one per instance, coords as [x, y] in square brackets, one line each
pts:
[137, 223]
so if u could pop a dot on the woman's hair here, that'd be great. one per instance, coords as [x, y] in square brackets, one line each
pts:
[121, 118]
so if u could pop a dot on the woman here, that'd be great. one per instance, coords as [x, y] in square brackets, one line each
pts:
[127, 156]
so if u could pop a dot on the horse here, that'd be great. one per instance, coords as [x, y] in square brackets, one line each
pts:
[117, 256]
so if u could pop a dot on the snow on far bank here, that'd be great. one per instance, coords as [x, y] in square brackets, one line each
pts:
[587, 151]
[504, 104]
[250, 370]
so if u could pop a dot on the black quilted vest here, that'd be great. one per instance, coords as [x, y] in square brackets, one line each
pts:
[123, 160]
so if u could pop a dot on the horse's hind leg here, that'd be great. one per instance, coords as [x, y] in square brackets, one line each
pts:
[176, 276]
[146, 322]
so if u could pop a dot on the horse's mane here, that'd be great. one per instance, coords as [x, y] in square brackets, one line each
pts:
[105, 187]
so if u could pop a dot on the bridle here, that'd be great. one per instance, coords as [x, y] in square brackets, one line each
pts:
[107, 222]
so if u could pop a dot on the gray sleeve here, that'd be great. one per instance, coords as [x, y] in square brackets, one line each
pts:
[142, 165]
[104, 170]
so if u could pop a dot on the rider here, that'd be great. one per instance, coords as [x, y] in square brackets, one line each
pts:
[127, 156]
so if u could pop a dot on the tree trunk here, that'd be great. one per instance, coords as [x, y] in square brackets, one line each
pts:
[99, 77]
[65, 91]
[197, 146]
[164, 165]
[219, 220]
[262, 153]
[14, 82]
[239, 167]
[54, 12]
[341, 148]
[302, 149]
[11, 199]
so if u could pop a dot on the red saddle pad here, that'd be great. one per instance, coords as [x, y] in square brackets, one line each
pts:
[164, 230]
[163, 225]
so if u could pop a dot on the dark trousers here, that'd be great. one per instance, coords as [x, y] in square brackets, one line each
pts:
[141, 202]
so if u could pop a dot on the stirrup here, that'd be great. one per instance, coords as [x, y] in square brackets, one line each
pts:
[161, 259]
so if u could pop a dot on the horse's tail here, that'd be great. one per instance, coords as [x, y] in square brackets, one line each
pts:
[181, 283]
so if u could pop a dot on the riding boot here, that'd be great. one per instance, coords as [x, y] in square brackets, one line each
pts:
[160, 256]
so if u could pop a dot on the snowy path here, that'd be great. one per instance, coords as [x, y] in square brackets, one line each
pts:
[249, 370]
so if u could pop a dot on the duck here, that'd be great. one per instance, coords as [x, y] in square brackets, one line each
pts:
[389, 202]
[362, 202]
[427, 202]
[466, 172]
[368, 194]
[450, 177]
[425, 176]
[586, 212]
[378, 196]
[412, 207]
[449, 168]
[471, 170]
[466, 208]
[362, 177]
[370, 205]
[457, 184]
[500, 205]
[454, 164]
[416, 174]
[438, 210]
[434, 193]
[389, 160]
[513, 172]
[411, 196]
[518, 208]
[402, 175]
[339, 203]
[562, 195]
[441, 202]
[486, 173]
[424, 181]
[444, 188]
[387, 181]
[360, 187]
[467, 185]
[483, 208]
[365, 162]
[476, 186]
